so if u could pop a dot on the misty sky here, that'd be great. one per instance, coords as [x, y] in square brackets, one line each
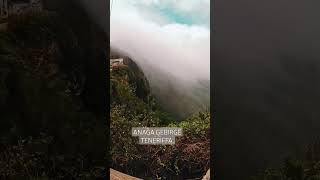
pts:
[164, 32]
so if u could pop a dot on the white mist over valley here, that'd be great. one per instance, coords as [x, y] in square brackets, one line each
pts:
[170, 41]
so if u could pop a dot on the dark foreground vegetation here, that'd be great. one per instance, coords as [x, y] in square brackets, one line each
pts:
[50, 123]
[132, 105]
[307, 168]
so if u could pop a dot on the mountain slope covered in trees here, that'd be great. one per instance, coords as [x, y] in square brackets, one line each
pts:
[133, 105]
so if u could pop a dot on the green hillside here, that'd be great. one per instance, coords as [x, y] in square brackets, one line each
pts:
[132, 105]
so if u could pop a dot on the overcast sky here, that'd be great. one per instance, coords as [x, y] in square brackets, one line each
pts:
[164, 32]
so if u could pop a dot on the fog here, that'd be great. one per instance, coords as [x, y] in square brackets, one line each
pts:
[266, 79]
[266, 73]
[174, 56]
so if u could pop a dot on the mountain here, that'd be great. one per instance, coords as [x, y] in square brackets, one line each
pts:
[134, 105]
[180, 98]
[125, 70]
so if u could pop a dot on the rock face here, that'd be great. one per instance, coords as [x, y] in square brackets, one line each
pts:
[130, 73]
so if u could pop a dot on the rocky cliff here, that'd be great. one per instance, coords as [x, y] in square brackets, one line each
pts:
[128, 72]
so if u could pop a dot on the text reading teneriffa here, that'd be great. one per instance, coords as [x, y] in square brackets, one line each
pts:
[156, 135]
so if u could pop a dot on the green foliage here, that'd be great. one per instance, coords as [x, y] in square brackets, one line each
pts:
[198, 124]
[189, 157]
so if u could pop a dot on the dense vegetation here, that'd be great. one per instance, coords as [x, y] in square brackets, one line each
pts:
[188, 158]
[307, 168]
[49, 127]
[48, 130]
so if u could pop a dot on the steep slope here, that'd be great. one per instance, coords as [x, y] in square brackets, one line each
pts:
[130, 73]
[179, 97]
[188, 158]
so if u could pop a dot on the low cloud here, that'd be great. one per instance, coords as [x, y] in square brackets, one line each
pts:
[180, 52]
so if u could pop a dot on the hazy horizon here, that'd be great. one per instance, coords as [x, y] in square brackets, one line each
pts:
[165, 37]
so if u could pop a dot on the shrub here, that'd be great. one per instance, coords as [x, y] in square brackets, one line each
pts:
[189, 157]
